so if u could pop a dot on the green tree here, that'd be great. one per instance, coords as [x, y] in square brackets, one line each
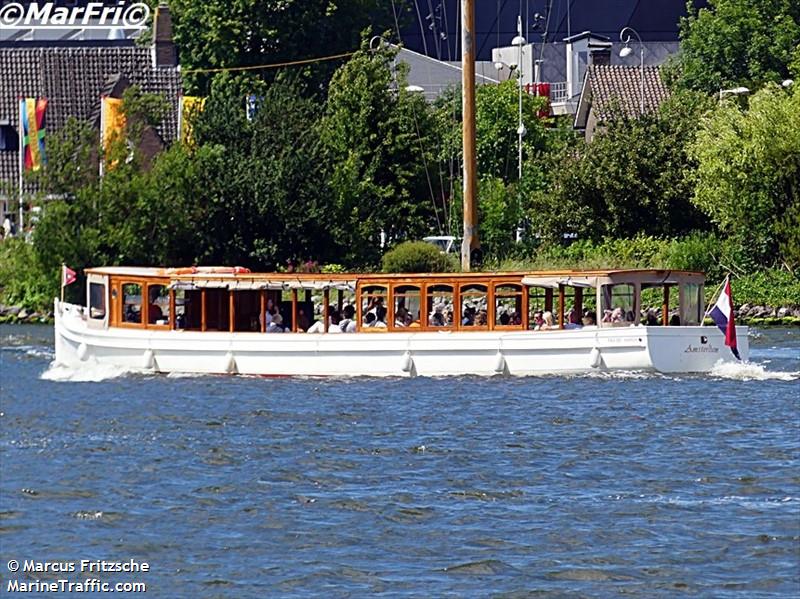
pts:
[496, 123]
[219, 33]
[379, 145]
[738, 42]
[748, 178]
[633, 178]
[265, 192]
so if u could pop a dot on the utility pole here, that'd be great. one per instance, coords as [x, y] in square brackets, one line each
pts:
[470, 241]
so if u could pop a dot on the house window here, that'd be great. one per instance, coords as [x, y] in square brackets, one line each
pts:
[9, 139]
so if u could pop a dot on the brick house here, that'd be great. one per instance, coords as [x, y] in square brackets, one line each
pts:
[73, 75]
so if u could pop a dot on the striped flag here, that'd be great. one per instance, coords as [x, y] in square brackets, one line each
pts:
[722, 315]
[32, 126]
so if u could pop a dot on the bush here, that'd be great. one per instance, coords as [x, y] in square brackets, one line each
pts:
[24, 282]
[770, 287]
[417, 256]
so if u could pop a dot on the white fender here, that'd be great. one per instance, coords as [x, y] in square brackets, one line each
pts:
[499, 362]
[408, 362]
[83, 352]
[148, 359]
[230, 363]
[595, 359]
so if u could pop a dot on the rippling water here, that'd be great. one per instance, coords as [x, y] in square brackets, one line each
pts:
[634, 484]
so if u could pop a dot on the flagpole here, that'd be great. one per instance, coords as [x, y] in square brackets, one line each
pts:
[21, 168]
[62, 281]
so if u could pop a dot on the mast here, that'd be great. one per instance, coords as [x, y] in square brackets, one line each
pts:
[470, 241]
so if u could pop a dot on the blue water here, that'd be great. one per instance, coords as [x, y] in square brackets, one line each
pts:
[594, 486]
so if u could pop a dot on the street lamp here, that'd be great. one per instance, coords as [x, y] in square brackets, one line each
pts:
[625, 38]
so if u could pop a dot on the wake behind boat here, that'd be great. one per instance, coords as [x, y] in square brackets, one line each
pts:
[230, 320]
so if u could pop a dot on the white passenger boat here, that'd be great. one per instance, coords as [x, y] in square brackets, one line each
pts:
[229, 320]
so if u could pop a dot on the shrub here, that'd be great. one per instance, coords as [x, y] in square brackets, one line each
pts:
[417, 256]
[24, 282]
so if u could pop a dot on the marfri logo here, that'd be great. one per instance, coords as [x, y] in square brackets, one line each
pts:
[94, 15]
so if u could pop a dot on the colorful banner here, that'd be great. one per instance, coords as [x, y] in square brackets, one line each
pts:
[112, 120]
[190, 107]
[32, 125]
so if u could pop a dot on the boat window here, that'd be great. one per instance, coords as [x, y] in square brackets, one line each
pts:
[618, 305]
[217, 310]
[373, 307]
[188, 309]
[132, 302]
[406, 306]
[474, 305]
[439, 303]
[508, 305]
[97, 301]
[246, 307]
[537, 306]
[157, 304]
[691, 305]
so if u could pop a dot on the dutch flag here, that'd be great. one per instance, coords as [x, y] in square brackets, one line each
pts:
[722, 315]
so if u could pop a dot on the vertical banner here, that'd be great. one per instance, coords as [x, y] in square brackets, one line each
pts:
[190, 107]
[32, 117]
[112, 124]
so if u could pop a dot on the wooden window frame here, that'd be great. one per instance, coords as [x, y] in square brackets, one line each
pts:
[393, 300]
[360, 328]
[146, 306]
[461, 287]
[121, 322]
[521, 293]
[424, 324]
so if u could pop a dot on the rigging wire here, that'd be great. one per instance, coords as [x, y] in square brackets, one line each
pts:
[273, 65]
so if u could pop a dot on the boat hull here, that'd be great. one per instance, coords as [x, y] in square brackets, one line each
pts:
[523, 353]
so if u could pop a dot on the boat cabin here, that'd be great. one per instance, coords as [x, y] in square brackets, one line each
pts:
[233, 299]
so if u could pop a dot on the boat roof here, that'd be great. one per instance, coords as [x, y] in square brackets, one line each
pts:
[529, 277]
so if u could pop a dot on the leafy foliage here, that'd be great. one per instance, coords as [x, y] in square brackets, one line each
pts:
[218, 33]
[378, 143]
[416, 256]
[634, 177]
[738, 42]
[24, 282]
[748, 179]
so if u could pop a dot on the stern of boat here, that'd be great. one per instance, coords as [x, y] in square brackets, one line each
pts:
[692, 348]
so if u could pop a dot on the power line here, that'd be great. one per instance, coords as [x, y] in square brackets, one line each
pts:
[274, 65]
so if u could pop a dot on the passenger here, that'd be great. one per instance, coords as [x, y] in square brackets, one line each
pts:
[505, 319]
[347, 324]
[154, 313]
[650, 319]
[516, 319]
[548, 323]
[630, 317]
[675, 321]
[380, 317]
[468, 319]
[333, 322]
[538, 321]
[303, 323]
[450, 318]
[401, 317]
[437, 320]
[369, 320]
[607, 315]
[276, 325]
[617, 316]
[590, 319]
